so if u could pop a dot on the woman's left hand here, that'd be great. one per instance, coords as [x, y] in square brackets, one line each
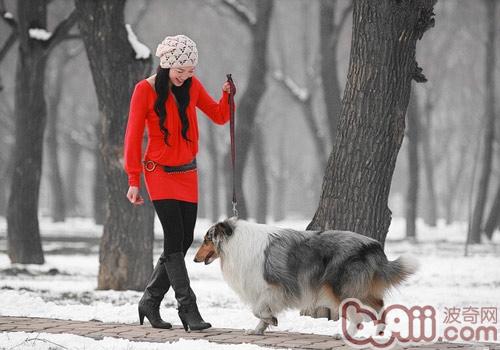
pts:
[226, 87]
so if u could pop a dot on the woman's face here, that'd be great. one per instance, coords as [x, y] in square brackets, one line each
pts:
[179, 75]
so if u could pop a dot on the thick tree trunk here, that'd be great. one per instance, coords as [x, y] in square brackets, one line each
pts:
[58, 202]
[261, 176]
[412, 117]
[214, 180]
[372, 122]
[125, 256]
[474, 235]
[23, 233]
[329, 34]
[249, 102]
[430, 214]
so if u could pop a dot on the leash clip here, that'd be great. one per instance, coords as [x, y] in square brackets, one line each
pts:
[235, 211]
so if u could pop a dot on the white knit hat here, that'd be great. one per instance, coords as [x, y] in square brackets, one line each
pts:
[177, 51]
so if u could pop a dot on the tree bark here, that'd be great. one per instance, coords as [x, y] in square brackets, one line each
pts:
[372, 121]
[474, 234]
[412, 117]
[125, 255]
[23, 232]
[249, 102]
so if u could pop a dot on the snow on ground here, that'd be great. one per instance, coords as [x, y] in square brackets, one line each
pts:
[47, 341]
[64, 287]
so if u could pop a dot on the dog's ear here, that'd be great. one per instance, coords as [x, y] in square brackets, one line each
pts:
[228, 229]
[223, 229]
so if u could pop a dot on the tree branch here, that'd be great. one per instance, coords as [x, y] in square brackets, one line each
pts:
[241, 12]
[62, 30]
[343, 17]
[297, 93]
[8, 44]
[7, 16]
[72, 37]
[142, 12]
[337, 28]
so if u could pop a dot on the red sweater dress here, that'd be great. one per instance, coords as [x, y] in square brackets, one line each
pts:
[160, 184]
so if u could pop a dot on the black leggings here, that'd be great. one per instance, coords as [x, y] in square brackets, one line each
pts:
[177, 219]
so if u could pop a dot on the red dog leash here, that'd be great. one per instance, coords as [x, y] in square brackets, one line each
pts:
[233, 145]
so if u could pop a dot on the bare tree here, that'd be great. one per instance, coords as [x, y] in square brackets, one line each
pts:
[329, 40]
[35, 45]
[258, 25]
[58, 202]
[430, 214]
[371, 129]
[260, 160]
[125, 254]
[474, 234]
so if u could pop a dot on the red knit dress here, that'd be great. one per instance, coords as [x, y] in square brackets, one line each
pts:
[160, 184]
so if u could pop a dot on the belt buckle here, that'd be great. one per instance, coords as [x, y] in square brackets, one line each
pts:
[149, 165]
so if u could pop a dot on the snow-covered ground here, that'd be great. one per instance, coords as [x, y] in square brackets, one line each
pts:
[64, 287]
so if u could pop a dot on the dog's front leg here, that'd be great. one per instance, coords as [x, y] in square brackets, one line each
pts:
[259, 330]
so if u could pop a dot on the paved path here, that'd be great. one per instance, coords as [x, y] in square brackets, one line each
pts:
[135, 332]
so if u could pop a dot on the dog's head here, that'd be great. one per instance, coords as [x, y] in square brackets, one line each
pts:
[213, 240]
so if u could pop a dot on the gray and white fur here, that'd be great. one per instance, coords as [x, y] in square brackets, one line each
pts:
[273, 269]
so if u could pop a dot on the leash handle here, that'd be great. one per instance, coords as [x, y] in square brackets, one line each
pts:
[232, 92]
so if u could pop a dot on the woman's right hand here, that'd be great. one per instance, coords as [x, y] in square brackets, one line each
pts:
[133, 195]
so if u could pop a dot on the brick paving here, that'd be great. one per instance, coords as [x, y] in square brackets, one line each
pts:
[135, 332]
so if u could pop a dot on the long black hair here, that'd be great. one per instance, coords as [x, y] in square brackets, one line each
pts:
[181, 93]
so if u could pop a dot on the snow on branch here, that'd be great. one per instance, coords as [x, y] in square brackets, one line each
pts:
[39, 34]
[8, 15]
[141, 51]
[241, 11]
[292, 87]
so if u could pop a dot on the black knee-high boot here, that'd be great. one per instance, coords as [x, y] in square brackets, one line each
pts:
[149, 305]
[178, 276]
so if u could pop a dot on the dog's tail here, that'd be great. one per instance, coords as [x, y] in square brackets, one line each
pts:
[397, 271]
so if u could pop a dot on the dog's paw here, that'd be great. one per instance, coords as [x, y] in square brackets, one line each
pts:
[338, 336]
[254, 332]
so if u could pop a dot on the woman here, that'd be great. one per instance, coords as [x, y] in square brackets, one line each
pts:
[166, 104]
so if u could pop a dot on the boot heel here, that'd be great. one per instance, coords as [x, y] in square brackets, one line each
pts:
[185, 325]
[141, 318]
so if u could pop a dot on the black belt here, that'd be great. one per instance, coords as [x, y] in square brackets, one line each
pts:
[150, 165]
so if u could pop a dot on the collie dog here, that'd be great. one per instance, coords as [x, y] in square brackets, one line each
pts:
[273, 269]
